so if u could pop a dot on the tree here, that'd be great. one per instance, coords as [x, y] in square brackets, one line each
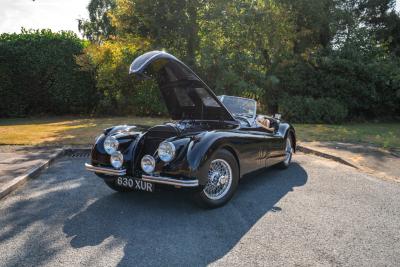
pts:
[99, 26]
[170, 24]
[326, 53]
[242, 43]
[380, 16]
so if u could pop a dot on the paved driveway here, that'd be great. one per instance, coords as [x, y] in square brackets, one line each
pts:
[18, 160]
[315, 213]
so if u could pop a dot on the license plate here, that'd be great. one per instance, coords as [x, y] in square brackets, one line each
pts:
[135, 184]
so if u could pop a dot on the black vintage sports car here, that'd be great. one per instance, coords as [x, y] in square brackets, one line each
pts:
[212, 143]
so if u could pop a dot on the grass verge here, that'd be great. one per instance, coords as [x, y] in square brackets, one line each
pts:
[383, 135]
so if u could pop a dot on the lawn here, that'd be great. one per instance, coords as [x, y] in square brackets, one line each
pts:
[384, 135]
[82, 131]
[62, 130]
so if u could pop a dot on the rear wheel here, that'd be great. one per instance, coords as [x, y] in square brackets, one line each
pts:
[288, 153]
[222, 180]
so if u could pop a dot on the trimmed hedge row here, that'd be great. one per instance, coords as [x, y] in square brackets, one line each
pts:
[336, 87]
[39, 75]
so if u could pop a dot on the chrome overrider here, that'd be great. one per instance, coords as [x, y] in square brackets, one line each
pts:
[146, 178]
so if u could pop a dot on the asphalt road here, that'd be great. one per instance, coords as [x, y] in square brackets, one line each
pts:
[317, 212]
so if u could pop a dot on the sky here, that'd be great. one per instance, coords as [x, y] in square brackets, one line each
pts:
[50, 14]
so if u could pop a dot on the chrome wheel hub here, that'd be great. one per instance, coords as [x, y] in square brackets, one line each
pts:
[219, 179]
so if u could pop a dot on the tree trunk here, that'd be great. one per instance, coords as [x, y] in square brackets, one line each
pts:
[192, 29]
[270, 98]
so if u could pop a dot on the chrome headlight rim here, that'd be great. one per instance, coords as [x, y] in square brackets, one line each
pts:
[110, 145]
[166, 151]
[117, 159]
[148, 164]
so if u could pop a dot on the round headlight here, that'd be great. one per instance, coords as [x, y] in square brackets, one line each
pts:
[148, 164]
[117, 159]
[166, 151]
[111, 145]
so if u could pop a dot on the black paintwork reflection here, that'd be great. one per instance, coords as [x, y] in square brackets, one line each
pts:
[254, 147]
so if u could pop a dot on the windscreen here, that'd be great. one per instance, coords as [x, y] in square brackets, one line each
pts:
[239, 106]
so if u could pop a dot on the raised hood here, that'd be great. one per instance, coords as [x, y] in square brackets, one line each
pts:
[186, 95]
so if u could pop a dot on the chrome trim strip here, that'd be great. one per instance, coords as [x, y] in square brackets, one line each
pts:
[170, 181]
[104, 170]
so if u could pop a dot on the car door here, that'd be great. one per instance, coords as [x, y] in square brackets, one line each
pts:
[273, 146]
[276, 145]
[263, 143]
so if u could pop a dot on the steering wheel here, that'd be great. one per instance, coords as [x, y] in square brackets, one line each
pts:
[243, 118]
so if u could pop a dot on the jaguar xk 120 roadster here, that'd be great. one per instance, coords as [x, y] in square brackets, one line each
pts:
[212, 143]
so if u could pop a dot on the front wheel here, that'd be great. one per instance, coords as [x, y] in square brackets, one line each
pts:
[288, 153]
[223, 178]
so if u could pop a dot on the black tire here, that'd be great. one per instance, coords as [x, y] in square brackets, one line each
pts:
[111, 184]
[202, 199]
[286, 163]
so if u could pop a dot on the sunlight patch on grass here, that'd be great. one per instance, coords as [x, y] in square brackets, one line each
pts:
[62, 130]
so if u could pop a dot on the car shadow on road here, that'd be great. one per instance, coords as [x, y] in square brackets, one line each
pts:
[168, 229]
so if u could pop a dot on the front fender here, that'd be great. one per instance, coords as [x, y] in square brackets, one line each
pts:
[127, 138]
[202, 147]
[193, 153]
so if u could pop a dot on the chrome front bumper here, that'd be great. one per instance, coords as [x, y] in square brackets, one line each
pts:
[146, 178]
[170, 181]
[103, 170]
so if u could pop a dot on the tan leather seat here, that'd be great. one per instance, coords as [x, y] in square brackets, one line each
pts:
[264, 122]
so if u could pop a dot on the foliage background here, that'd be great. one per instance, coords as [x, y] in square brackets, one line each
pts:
[312, 60]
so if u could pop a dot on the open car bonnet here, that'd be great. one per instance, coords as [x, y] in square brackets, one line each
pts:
[186, 95]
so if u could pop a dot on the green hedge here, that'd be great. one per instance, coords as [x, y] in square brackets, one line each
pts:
[333, 88]
[39, 75]
[310, 110]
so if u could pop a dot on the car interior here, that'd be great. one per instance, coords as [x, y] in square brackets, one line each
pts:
[244, 111]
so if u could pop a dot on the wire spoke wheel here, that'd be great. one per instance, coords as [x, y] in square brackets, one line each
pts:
[288, 151]
[219, 179]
